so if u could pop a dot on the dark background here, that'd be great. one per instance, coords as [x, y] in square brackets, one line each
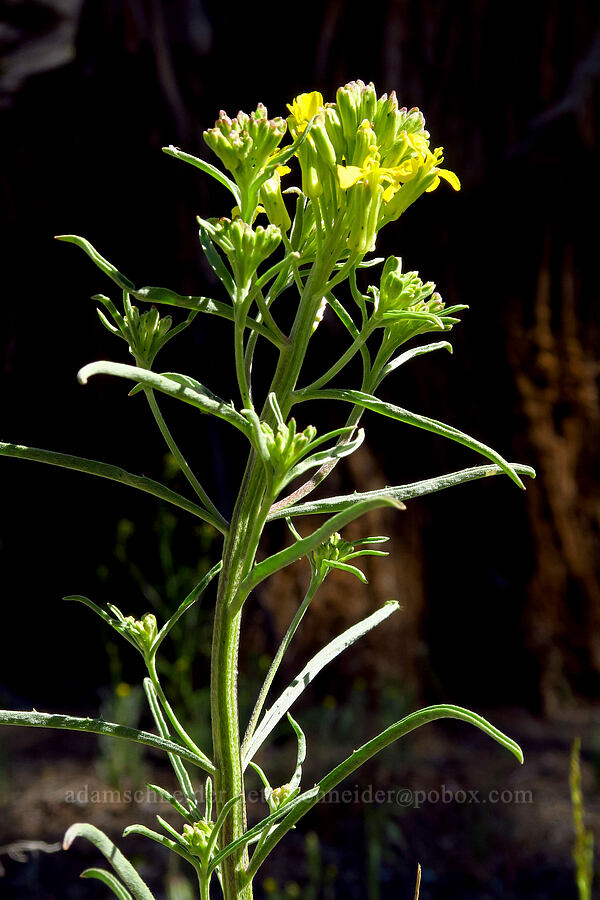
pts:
[501, 593]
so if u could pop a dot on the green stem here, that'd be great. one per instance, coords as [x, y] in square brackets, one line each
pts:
[238, 557]
[183, 464]
[341, 363]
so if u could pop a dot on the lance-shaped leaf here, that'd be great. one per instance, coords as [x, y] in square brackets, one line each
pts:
[301, 548]
[199, 304]
[207, 168]
[103, 264]
[191, 598]
[122, 866]
[172, 801]
[300, 756]
[35, 719]
[111, 882]
[368, 401]
[283, 703]
[113, 473]
[227, 807]
[411, 354]
[308, 799]
[181, 387]
[400, 492]
[174, 846]
[214, 259]
[324, 456]
[106, 617]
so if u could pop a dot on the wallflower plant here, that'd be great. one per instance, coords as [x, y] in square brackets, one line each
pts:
[362, 162]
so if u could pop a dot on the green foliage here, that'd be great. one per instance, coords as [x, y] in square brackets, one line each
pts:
[363, 161]
[583, 849]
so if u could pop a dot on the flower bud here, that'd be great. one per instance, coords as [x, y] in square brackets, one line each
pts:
[245, 143]
[245, 247]
[197, 836]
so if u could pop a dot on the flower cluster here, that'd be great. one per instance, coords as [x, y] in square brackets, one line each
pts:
[361, 154]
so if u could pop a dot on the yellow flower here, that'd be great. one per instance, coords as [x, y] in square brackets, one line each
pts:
[394, 177]
[372, 173]
[304, 107]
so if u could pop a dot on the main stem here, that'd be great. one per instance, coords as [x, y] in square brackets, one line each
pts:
[239, 551]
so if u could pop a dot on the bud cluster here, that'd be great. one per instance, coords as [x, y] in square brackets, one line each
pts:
[404, 290]
[142, 631]
[145, 334]
[285, 446]
[336, 553]
[245, 143]
[196, 838]
[245, 247]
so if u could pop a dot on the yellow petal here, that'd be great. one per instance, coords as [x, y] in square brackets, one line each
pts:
[348, 175]
[305, 106]
[389, 192]
[433, 185]
[450, 177]
[283, 170]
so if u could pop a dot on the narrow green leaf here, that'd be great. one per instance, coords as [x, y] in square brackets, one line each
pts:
[35, 719]
[411, 354]
[110, 880]
[307, 800]
[113, 273]
[344, 448]
[401, 492]
[198, 304]
[214, 259]
[113, 473]
[300, 756]
[227, 807]
[258, 829]
[120, 864]
[328, 653]
[180, 387]
[172, 801]
[301, 548]
[367, 401]
[191, 598]
[106, 617]
[162, 840]
[207, 168]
